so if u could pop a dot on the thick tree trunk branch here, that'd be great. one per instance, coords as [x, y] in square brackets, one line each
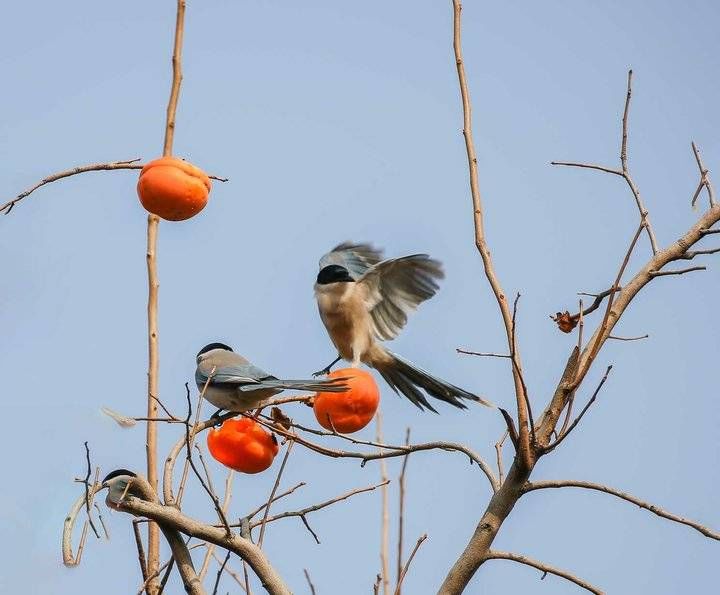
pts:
[183, 561]
[588, 485]
[248, 551]
[475, 553]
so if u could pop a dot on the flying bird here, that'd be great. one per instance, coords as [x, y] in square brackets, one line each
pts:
[237, 385]
[364, 300]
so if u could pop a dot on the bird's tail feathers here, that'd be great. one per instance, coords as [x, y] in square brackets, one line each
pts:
[407, 378]
[330, 385]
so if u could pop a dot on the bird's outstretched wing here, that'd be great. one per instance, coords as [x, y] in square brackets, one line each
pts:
[395, 287]
[356, 258]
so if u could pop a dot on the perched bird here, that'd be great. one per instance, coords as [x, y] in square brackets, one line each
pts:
[237, 385]
[117, 482]
[364, 299]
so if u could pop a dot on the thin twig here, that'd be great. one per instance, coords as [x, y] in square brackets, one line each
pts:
[190, 434]
[189, 458]
[315, 507]
[693, 253]
[309, 582]
[564, 434]
[272, 492]
[420, 540]
[141, 552]
[704, 178]
[644, 217]
[87, 489]
[235, 576]
[599, 336]
[225, 505]
[219, 572]
[607, 170]
[483, 354]
[545, 568]
[390, 449]
[480, 238]
[401, 509]
[165, 409]
[275, 499]
[539, 485]
[498, 454]
[677, 271]
[384, 511]
[102, 521]
[516, 365]
[127, 164]
[376, 585]
[628, 338]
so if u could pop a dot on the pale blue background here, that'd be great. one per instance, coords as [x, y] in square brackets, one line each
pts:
[339, 120]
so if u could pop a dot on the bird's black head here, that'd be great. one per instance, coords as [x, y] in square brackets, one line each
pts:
[334, 273]
[211, 346]
[118, 473]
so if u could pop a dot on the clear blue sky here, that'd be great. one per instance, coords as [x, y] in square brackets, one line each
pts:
[342, 121]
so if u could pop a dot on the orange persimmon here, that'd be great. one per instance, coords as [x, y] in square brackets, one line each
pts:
[173, 189]
[242, 444]
[351, 410]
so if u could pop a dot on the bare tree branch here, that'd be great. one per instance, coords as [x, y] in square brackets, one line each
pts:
[481, 241]
[704, 178]
[219, 572]
[271, 497]
[676, 272]
[141, 553]
[401, 513]
[274, 499]
[384, 511]
[389, 450]
[315, 507]
[225, 505]
[564, 433]
[170, 517]
[420, 540]
[545, 568]
[309, 582]
[639, 338]
[607, 170]
[624, 171]
[483, 354]
[539, 485]
[70, 559]
[128, 164]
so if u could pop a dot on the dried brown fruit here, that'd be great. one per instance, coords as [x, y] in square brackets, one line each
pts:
[565, 321]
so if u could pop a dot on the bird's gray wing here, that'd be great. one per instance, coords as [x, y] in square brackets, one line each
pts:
[356, 258]
[230, 374]
[395, 287]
